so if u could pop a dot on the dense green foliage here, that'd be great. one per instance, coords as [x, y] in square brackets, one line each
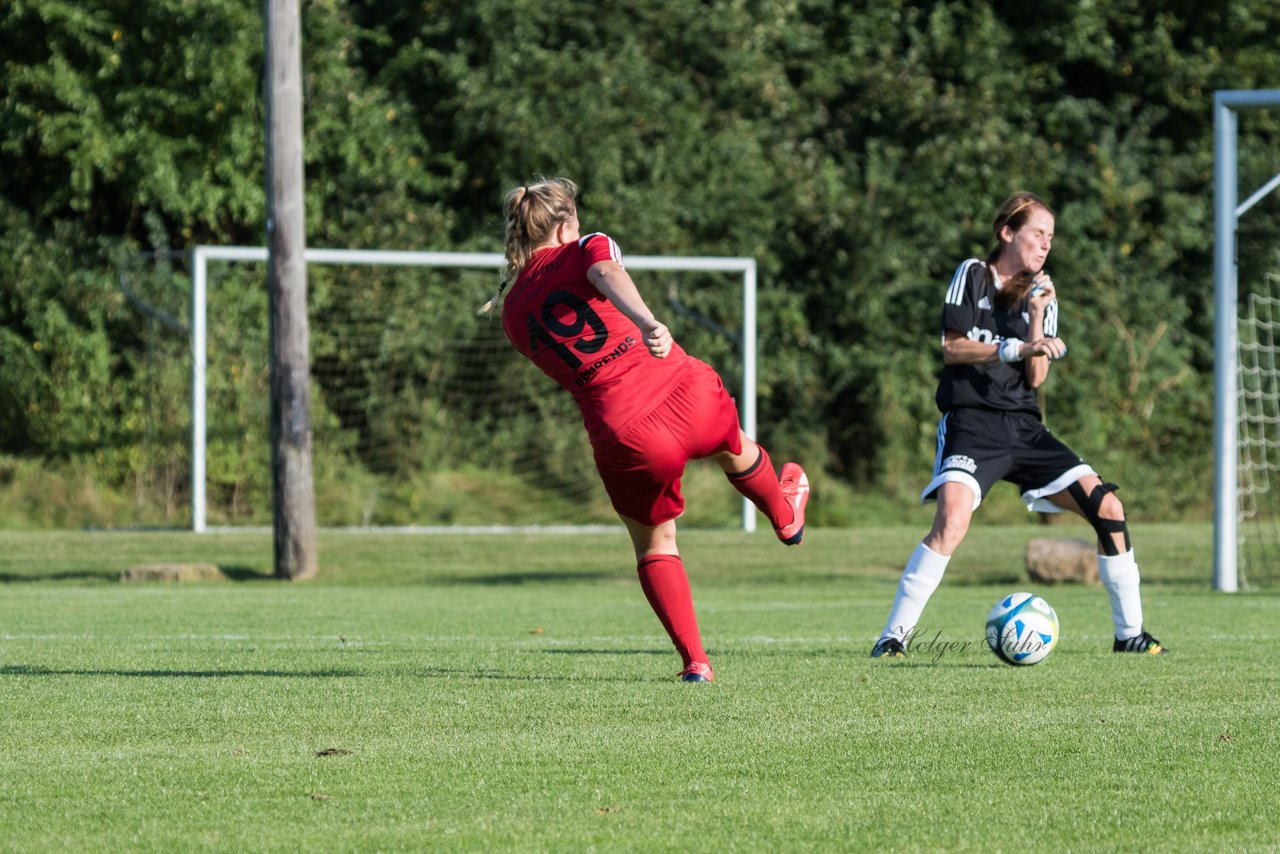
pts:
[517, 694]
[857, 153]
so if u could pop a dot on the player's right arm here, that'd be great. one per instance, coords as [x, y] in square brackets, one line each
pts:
[959, 314]
[611, 279]
[959, 349]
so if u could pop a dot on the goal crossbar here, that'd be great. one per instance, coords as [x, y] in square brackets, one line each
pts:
[1226, 215]
[202, 255]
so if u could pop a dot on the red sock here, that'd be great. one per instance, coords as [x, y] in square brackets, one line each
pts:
[666, 586]
[759, 484]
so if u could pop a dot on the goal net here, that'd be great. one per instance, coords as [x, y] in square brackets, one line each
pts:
[1258, 436]
[423, 415]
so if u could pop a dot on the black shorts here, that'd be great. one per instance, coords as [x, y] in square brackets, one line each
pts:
[979, 447]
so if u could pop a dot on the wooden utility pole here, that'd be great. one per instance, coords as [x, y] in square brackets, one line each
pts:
[294, 505]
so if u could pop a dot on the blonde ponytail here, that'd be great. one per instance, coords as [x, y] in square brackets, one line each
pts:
[531, 215]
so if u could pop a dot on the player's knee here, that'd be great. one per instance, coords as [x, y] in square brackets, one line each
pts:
[663, 539]
[1109, 522]
[1111, 508]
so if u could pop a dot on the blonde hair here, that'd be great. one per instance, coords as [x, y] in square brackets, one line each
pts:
[1014, 213]
[531, 215]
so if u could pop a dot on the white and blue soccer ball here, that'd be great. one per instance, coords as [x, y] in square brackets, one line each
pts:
[1022, 628]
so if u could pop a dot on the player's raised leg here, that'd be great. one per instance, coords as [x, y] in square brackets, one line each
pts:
[666, 586]
[1117, 568]
[925, 568]
[781, 499]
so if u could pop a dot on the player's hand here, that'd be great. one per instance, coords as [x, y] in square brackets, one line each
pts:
[657, 339]
[1042, 292]
[1054, 348]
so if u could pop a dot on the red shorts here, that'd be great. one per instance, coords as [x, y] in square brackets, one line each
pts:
[642, 471]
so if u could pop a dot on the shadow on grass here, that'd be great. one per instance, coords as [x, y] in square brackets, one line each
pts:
[989, 578]
[531, 577]
[607, 651]
[70, 575]
[246, 573]
[944, 662]
[500, 676]
[232, 573]
[28, 670]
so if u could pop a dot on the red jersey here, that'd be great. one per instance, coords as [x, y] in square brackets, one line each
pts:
[557, 319]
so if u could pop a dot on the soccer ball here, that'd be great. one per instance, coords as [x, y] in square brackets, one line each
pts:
[1022, 628]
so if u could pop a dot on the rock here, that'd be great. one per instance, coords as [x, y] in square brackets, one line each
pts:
[1062, 560]
[173, 572]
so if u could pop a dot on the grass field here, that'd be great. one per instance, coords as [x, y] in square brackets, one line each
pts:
[515, 693]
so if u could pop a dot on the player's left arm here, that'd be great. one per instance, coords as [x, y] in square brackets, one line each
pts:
[611, 279]
[1043, 343]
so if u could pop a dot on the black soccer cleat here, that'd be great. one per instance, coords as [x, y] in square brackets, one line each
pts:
[889, 648]
[1143, 643]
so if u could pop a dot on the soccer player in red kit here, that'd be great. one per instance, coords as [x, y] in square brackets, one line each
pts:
[647, 405]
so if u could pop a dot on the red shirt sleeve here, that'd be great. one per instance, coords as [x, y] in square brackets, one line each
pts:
[599, 247]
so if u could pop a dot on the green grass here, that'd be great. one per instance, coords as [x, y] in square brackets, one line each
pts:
[513, 692]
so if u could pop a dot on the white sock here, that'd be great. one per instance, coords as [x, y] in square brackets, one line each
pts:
[919, 580]
[1119, 574]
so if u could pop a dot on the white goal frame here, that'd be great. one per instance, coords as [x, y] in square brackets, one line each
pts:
[1226, 214]
[202, 255]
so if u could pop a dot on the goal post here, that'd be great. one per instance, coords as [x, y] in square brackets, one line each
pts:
[201, 256]
[1227, 212]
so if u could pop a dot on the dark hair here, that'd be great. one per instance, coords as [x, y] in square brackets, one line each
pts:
[1014, 213]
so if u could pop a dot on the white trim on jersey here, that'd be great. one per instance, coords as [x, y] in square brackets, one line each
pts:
[1036, 499]
[615, 253]
[955, 290]
[953, 476]
[1051, 319]
[942, 440]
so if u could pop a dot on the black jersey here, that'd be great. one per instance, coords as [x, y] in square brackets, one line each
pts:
[971, 310]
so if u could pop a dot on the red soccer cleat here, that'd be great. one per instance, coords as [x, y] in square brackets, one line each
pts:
[699, 671]
[795, 488]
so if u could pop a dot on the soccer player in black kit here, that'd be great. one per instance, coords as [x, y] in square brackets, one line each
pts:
[999, 335]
